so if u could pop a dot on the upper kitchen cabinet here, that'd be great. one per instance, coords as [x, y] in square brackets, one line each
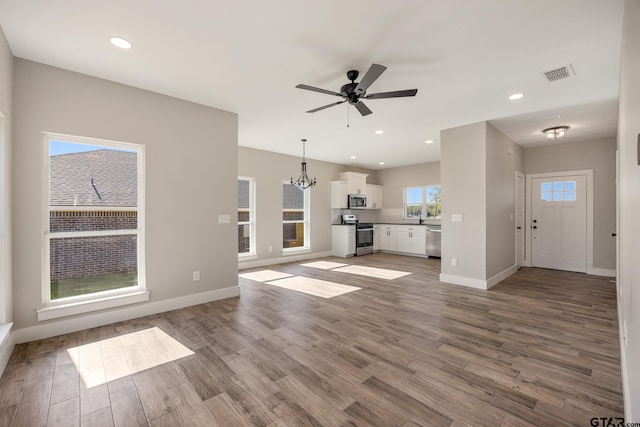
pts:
[339, 194]
[356, 182]
[375, 195]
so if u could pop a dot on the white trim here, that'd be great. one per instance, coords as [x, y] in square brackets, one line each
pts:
[589, 175]
[463, 281]
[95, 304]
[477, 283]
[293, 251]
[289, 258]
[252, 216]
[51, 329]
[7, 344]
[605, 272]
[524, 220]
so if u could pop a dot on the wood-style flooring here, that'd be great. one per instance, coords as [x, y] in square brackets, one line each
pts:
[539, 349]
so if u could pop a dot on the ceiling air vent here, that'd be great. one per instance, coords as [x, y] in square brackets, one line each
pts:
[560, 73]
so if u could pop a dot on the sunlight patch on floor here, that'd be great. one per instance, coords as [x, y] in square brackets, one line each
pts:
[264, 275]
[324, 265]
[316, 287]
[113, 358]
[379, 273]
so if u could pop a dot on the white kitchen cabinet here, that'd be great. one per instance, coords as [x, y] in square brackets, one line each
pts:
[388, 237]
[376, 237]
[343, 240]
[356, 182]
[411, 239]
[375, 195]
[339, 194]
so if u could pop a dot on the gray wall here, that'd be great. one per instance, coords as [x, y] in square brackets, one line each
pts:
[599, 155]
[504, 157]
[191, 166]
[463, 173]
[270, 170]
[395, 179]
[629, 207]
[6, 103]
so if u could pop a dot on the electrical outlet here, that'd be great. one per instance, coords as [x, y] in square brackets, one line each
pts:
[270, 248]
[454, 262]
[196, 276]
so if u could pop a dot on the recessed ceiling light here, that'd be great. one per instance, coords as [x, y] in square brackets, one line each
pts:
[379, 132]
[120, 42]
[516, 96]
[381, 163]
[353, 157]
[429, 141]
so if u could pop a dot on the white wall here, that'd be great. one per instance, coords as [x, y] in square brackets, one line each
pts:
[6, 283]
[504, 158]
[191, 176]
[628, 278]
[463, 176]
[599, 155]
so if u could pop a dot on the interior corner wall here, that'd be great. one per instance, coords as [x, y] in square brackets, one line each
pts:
[270, 170]
[190, 178]
[599, 155]
[628, 278]
[395, 180]
[504, 157]
[463, 176]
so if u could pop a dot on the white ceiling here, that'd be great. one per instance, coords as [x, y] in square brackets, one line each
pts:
[465, 57]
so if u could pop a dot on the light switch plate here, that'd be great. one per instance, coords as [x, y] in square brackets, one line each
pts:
[456, 217]
[224, 219]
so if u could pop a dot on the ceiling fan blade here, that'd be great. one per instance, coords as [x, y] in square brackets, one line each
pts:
[363, 109]
[395, 94]
[317, 89]
[372, 75]
[326, 106]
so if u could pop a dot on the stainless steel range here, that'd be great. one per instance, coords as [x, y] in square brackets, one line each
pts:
[364, 238]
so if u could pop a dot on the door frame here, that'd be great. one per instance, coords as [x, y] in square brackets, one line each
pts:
[529, 177]
[524, 221]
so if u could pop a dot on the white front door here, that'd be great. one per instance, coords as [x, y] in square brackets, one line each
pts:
[559, 223]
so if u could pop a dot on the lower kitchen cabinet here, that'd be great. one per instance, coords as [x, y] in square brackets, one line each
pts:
[343, 240]
[387, 237]
[411, 239]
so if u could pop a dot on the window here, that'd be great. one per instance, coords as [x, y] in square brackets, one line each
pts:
[558, 191]
[246, 217]
[422, 202]
[94, 228]
[295, 218]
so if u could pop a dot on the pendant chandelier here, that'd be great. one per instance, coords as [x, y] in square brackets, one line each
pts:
[303, 181]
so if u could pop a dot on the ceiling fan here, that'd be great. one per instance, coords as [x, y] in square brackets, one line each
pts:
[354, 92]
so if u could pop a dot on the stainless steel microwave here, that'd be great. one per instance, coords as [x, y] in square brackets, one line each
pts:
[357, 201]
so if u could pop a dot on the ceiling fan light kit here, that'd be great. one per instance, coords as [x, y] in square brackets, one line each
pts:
[354, 93]
[556, 132]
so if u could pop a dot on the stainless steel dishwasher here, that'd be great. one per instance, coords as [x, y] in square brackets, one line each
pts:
[434, 235]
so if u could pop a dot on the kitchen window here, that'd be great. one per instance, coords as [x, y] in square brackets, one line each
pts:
[246, 217]
[422, 202]
[295, 218]
[93, 226]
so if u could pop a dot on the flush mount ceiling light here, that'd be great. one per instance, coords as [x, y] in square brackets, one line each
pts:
[303, 181]
[556, 132]
[120, 42]
[516, 96]
[429, 141]
[379, 132]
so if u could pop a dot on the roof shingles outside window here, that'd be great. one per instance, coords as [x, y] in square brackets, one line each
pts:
[114, 175]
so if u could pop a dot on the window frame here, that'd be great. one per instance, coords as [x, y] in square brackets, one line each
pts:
[424, 189]
[78, 304]
[305, 221]
[244, 256]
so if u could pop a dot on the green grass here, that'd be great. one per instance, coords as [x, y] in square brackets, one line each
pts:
[89, 285]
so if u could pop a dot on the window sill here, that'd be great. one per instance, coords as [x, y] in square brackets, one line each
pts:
[71, 309]
[246, 257]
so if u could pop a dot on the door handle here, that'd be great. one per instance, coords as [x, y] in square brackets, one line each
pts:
[519, 228]
[614, 234]
[534, 227]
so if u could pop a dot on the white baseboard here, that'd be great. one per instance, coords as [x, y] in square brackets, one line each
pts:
[282, 260]
[7, 343]
[464, 281]
[601, 272]
[46, 330]
[478, 283]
